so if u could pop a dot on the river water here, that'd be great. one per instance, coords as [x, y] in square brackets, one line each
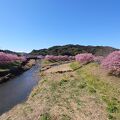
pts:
[18, 89]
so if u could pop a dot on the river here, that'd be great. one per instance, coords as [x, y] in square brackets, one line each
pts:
[17, 90]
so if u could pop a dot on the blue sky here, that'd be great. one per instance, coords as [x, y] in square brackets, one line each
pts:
[36, 24]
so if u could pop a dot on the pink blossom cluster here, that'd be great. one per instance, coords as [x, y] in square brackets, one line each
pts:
[7, 58]
[112, 63]
[98, 59]
[40, 56]
[22, 58]
[56, 58]
[84, 58]
[71, 57]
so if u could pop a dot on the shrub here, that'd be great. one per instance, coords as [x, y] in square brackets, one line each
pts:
[112, 63]
[84, 58]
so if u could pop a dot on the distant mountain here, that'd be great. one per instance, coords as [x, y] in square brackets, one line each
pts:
[8, 51]
[12, 52]
[74, 49]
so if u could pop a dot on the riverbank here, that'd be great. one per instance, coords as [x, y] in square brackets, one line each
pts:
[70, 92]
[17, 89]
[11, 70]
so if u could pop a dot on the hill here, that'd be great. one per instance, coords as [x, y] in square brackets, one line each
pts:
[74, 49]
[12, 52]
[8, 51]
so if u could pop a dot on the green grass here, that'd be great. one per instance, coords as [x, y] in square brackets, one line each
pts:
[75, 65]
[9, 65]
[45, 116]
[3, 70]
[46, 62]
[106, 92]
[60, 93]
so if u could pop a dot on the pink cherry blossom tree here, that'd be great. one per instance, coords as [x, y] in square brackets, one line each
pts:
[98, 59]
[7, 58]
[56, 58]
[112, 63]
[84, 58]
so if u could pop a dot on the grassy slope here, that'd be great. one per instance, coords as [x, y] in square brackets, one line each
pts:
[107, 88]
[12, 65]
[8, 66]
[77, 95]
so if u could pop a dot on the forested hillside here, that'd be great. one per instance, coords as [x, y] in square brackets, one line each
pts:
[74, 49]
